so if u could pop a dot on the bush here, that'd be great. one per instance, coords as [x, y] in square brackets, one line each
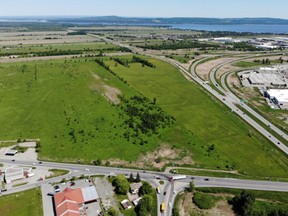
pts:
[204, 201]
[121, 184]
[145, 189]
[145, 206]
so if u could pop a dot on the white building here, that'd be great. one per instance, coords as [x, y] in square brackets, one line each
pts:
[280, 95]
[13, 174]
[16, 173]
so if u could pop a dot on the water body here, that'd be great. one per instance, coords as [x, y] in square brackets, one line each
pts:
[276, 29]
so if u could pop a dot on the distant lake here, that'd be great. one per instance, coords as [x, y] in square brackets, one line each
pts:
[276, 29]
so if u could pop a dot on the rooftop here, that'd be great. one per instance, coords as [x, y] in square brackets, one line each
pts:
[280, 94]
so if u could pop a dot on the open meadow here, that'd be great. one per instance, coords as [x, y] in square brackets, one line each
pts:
[83, 112]
[226, 137]
[73, 106]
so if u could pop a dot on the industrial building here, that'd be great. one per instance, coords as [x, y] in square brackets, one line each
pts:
[278, 96]
[271, 77]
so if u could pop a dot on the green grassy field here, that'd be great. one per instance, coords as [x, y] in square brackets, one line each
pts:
[208, 119]
[62, 103]
[18, 204]
[27, 49]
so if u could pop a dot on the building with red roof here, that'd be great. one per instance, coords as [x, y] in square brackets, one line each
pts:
[70, 201]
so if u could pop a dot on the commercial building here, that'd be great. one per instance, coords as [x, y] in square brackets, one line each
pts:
[280, 96]
[17, 173]
[72, 201]
[271, 77]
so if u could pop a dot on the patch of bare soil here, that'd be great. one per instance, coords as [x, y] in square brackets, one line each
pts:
[226, 68]
[204, 69]
[112, 94]
[233, 80]
[187, 207]
[156, 159]
[109, 92]
[221, 208]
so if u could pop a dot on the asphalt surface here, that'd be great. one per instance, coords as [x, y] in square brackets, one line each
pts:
[171, 188]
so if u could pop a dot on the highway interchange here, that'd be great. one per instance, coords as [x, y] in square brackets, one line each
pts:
[170, 189]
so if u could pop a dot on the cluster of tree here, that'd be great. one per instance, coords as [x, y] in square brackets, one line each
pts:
[102, 64]
[144, 115]
[245, 204]
[132, 179]
[144, 206]
[180, 45]
[80, 32]
[124, 49]
[123, 62]
[121, 184]
[263, 61]
[242, 46]
[215, 34]
[143, 61]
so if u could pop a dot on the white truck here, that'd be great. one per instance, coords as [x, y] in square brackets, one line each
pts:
[177, 177]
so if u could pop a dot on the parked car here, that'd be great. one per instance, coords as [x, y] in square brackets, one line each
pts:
[72, 183]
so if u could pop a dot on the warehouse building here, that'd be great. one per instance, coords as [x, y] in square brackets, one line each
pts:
[278, 96]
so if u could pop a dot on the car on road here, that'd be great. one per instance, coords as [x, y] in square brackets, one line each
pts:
[56, 188]
[13, 160]
[72, 183]
[164, 193]
[206, 179]
[3, 190]
[40, 162]
[87, 169]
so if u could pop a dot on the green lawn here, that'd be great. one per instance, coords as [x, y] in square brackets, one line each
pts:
[208, 119]
[27, 203]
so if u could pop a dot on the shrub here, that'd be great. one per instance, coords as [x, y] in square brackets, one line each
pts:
[204, 201]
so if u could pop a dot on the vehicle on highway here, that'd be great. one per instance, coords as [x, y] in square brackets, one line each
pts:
[177, 177]
[206, 179]
[162, 207]
[13, 160]
[3, 190]
[158, 190]
[87, 169]
[164, 193]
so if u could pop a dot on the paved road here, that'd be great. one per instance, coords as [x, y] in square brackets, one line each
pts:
[176, 186]
[229, 95]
